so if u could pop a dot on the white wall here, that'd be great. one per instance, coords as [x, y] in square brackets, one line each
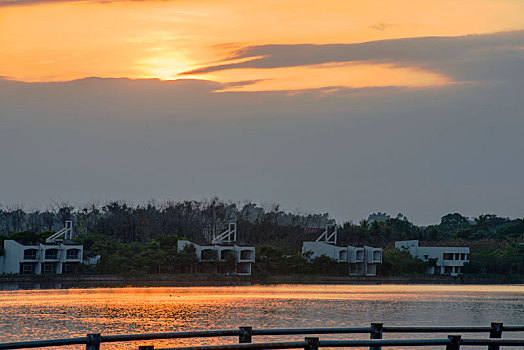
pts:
[362, 260]
[321, 248]
[436, 253]
[14, 255]
[373, 255]
[356, 254]
[247, 252]
[244, 265]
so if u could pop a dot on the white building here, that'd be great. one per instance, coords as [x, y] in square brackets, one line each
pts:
[56, 256]
[362, 261]
[448, 260]
[223, 250]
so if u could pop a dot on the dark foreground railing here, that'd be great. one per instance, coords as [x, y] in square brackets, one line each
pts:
[245, 335]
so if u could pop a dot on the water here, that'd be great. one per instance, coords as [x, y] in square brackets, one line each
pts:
[46, 314]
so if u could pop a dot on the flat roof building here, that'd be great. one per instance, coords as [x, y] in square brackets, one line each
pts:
[243, 257]
[447, 260]
[222, 250]
[362, 261]
[59, 254]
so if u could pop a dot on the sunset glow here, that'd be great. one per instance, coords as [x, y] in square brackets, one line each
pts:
[61, 41]
[74, 312]
[327, 75]
[186, 165]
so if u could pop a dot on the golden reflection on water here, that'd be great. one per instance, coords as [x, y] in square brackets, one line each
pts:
[45, 314]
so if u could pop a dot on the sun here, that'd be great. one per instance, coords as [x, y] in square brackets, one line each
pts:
[165, 67]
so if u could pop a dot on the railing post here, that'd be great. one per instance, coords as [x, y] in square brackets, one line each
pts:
[312, 343]
[94, 341]
[376, 333]
[455, 342]
[496, 332]
[146, 347]
[245, 335]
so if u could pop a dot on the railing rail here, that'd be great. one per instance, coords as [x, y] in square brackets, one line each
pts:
[245, 334]
[292, 331]
[172, 335]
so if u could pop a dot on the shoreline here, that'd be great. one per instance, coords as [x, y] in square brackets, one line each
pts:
[213, 280]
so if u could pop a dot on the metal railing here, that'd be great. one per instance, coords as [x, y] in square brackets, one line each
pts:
[245, 336]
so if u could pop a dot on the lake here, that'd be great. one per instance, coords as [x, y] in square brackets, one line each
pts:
[45, 314]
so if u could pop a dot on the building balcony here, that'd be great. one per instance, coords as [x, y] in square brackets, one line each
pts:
[72, 259]
[376, 257]
[452, 262]
[31, 255]
[227, 254]
[357, 269]
[73, 255]
[208, 255]
[356, 255]
[245, 255]
[342, 255]
[373, 255]
[51, 255]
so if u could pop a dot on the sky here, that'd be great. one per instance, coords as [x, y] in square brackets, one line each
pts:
[345, 107]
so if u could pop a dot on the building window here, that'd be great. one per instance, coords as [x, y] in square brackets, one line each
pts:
[447, 256]
[69, 268]
[248, 255]
[448, 270]
[462, 256]
[227, 255]
[30, 254]
[376, 256]
[72, 253]
[48, 268]
[51, 254]
[360, 255]
[209, 254]
[26, 268]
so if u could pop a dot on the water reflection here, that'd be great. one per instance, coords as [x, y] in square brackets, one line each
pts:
[44, 314]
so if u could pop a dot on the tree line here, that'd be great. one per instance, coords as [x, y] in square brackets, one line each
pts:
[143, 239]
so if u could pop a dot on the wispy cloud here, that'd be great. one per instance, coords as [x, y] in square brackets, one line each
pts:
[469, 57]
[381, 26]
[27, 2]
[30, 2]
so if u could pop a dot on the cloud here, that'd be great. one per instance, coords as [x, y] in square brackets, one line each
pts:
[241, 83]
[381, 26]
[4, 3]
[422, 152]
[27, 2]
[471, 57]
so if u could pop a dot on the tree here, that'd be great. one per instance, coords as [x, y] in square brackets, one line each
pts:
[396, 262]
[378, 216]
[186, 258]
[452, 222]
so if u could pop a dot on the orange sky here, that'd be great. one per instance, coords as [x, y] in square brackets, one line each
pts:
[58, 41]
